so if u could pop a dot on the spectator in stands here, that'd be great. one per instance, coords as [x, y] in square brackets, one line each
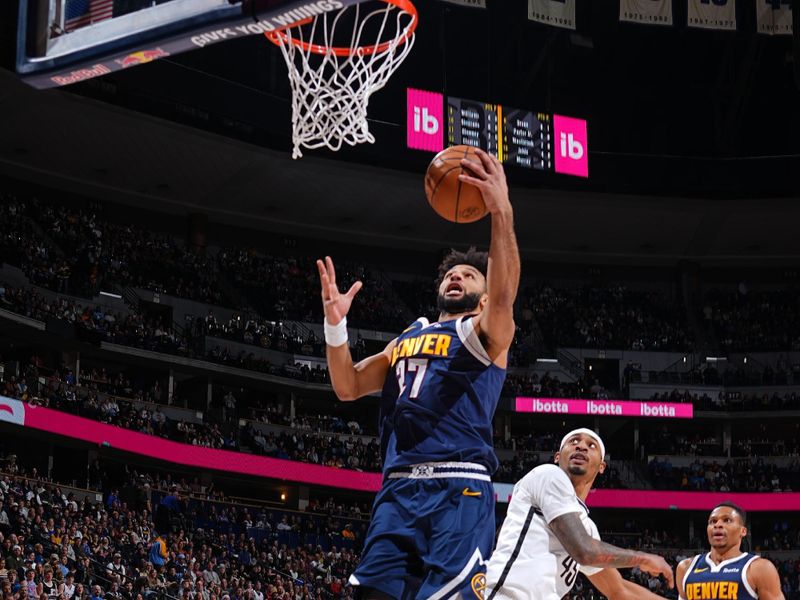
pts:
[4, 522]
[173, 501]
[211, 576]
[15, 560]
[115, 570]
[347, 532]
[69, 586]
[158, 551]
[49, 585]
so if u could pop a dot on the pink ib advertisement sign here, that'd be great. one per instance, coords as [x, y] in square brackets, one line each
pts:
[663, 500]
[425, 129]
[571, 142]
[61, 423]
[57, 422]
[678, 500]
[604, 408]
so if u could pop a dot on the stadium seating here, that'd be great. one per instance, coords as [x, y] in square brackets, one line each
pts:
[258, 315]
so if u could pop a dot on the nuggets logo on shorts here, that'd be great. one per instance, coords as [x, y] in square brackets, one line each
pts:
[479, 584]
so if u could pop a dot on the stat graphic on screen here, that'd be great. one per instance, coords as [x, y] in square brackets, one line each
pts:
[472, 123]
[526, 139]
[518, 137]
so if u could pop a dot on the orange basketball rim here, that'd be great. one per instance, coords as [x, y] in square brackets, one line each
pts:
[279, 37]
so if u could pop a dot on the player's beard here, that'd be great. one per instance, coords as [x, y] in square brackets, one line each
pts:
[577, 470]
[455, 306]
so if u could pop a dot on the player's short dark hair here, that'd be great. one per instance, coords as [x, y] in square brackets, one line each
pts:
[472, 257]
[736, 507]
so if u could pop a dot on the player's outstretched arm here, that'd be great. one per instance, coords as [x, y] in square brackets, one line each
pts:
[590, 552]
[764, 579]
[611, 584]
[496, 322]
[349, 381]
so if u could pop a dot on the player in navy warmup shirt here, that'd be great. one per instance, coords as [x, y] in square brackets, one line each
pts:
[727, 573]
[433, 520]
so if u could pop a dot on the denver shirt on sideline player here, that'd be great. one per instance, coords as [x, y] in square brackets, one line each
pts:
[727, 573]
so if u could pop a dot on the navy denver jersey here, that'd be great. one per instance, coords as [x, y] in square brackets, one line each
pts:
[705, 580]
[439, 397]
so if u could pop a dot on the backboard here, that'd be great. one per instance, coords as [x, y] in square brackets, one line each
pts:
[60, 42]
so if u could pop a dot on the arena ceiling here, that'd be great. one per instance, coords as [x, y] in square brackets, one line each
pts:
[695, 140]
[108, 153]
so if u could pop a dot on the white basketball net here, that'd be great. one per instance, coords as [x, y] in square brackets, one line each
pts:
[330, 93]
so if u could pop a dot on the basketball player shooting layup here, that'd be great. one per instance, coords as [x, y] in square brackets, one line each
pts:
[727, 573]
[433, 519]
[548, 537]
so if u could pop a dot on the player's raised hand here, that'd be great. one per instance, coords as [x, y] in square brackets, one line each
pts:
[488, 176]
[334, 304]
[656, 565]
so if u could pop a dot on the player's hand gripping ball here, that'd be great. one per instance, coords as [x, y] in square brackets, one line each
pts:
[450, 197]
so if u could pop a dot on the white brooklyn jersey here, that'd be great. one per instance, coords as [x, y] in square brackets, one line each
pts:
[529, 562]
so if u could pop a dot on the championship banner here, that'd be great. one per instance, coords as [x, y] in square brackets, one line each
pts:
[558, 13]
[718, 14]
[471, 3]
[646, 12]
[774, 17]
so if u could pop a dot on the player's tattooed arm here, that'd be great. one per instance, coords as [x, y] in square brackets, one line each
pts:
[611, 584]
[590, 552]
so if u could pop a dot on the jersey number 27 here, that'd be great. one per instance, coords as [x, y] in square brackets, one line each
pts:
[418, 366]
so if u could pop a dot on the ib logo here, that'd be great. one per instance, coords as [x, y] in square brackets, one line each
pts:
[425, 129]
[571, 146]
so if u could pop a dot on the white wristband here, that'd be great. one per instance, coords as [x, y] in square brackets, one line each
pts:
[336, 335]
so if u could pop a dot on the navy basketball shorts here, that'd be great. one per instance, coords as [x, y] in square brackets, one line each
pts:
[432, 529]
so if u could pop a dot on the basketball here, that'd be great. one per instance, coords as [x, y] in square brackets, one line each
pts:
[450, 197]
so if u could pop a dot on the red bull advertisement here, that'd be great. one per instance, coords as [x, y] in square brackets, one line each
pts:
[141, 57]
[81, 75]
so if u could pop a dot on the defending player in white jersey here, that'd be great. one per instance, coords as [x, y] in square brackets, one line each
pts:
[548, 537]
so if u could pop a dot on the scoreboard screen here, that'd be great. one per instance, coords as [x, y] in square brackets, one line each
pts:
[517, 137]
[526, 139]
[529, 139]
[473, 124]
